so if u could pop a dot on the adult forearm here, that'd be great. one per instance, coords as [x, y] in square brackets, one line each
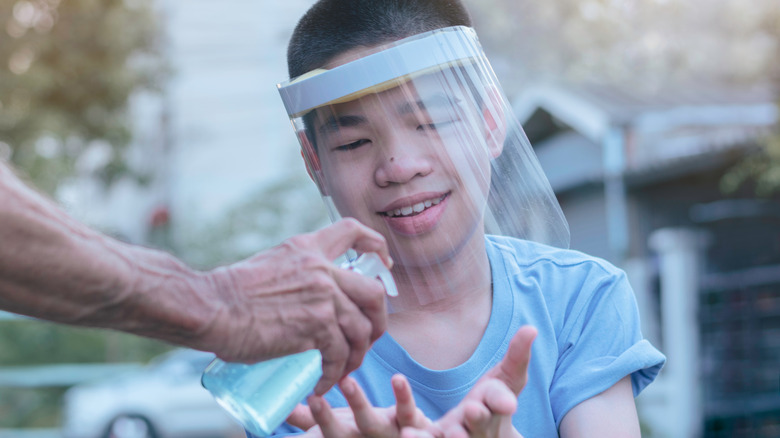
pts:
[52, 267]
[287, 299]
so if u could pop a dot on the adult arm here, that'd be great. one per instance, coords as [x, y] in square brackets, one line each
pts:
[284, 300]
[609, 414]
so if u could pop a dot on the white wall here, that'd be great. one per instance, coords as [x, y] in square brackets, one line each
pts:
[228, 126]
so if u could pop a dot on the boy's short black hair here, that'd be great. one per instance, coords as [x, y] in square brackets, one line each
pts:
[332, 27]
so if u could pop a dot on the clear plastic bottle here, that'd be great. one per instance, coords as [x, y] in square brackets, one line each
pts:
[262, 395]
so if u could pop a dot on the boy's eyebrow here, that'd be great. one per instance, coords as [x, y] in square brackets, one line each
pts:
[333, 123]
[439, 100]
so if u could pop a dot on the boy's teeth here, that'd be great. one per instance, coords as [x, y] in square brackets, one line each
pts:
[416, 208]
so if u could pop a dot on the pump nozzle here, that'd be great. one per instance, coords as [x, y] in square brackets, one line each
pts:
[370, 265]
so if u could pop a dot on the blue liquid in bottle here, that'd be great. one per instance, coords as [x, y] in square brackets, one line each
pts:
[262, 395]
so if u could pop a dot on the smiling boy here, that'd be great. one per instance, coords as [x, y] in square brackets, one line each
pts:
[404, 127]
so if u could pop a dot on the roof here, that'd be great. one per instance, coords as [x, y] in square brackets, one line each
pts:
[658, 128]
[592, 108]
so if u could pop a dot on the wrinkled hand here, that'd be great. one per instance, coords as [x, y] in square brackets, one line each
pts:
[293, 298]
[361, 419]
[487, 409]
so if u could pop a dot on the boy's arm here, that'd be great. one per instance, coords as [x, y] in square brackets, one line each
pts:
[609, 414]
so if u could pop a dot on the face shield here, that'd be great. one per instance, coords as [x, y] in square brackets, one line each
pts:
[415, 139]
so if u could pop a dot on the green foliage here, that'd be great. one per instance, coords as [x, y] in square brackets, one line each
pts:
[32, 342]
[279, 210]
[761, 167]
[67, 70]
[637, 44]
[28, 342]
[643, 46]
[30, 407]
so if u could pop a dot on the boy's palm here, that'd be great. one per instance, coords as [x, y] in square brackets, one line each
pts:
[360, 419]
[486, 411]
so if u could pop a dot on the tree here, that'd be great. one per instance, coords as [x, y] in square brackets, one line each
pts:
[643, 46]
[67, 70]
[278, 210]
[631, 42]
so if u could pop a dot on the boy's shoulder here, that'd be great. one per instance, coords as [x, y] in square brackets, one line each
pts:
[527, 254]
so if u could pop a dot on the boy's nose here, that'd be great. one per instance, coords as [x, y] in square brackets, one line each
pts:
[400, 162]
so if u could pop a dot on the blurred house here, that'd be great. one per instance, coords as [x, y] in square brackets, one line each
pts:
[215, 133]
[638, 178]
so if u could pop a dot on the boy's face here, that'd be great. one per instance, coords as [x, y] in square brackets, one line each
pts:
[413, 163]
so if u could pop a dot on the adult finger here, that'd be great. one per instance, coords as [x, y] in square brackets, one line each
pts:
[335, 350]
[344, 346]
[513, 368]
[348, 233]
[368, 294]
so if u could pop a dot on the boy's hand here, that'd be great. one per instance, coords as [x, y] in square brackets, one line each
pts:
[360, 419]
[487, 409]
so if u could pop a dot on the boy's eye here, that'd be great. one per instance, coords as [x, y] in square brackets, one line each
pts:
[353, 145]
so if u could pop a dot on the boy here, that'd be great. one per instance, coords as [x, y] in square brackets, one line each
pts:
[403, 127]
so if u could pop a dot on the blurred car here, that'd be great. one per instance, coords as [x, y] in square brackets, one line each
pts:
[164, 399]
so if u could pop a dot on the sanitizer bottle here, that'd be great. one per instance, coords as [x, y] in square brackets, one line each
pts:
[262, 395]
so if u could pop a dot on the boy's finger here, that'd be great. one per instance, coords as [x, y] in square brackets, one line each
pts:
[476, 417]
[301, 417]
[366, 419]
[324, 417]
[513, 368]
[456, 431]
[410, 432]
[497, 398]
[405, 408]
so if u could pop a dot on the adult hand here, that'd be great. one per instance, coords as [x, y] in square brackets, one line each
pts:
[361, 419]
[487, 409]
[292, 298]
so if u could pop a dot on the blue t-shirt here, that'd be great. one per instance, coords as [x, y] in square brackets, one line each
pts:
[589, 338]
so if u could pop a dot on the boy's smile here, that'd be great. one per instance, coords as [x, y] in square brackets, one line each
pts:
[415, 214]
[410, 162]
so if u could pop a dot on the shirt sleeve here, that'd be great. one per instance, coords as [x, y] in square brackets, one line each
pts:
[600, 343]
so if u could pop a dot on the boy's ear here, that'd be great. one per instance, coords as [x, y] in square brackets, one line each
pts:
[311, 160]
[495, 121]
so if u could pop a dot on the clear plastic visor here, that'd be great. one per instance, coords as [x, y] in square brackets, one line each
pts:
[431, 157]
